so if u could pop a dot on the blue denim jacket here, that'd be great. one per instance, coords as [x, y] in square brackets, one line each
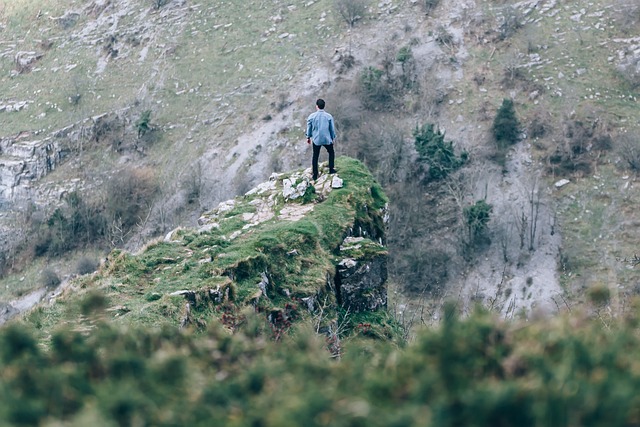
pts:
[320, 128]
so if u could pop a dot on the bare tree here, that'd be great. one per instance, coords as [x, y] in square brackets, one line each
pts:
[534, 211]
[351, 10]
[629, 150]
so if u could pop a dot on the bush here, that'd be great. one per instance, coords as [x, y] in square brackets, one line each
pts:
[630, 72]
[49, 278]
[477, 217]
[129, 196]
[629, 150]
[505, 125]
[511, 22]
[408, 63]
[351, 11]
[74, 224]
[475, 371]
[376, 90]
[627, 15]
[158, 4]
[538, 127]
[143, 124]
[437, 153]
[429, 5]
[443, 37]
[86, 265]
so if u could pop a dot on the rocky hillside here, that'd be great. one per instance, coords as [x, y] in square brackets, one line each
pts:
[205, 100]
[290, 249]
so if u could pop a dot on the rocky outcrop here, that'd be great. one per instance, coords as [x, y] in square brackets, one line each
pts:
[361, 277]
[24, 162]
[28, 157]
[359, 281]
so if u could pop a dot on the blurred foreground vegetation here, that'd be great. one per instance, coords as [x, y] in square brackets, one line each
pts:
[479, 371]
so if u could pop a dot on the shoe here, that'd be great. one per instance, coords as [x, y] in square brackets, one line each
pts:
[333, 171]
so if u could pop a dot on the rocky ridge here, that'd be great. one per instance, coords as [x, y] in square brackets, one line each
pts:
[309, 253]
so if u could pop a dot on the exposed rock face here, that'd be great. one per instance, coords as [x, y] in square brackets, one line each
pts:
[361, 280]
[25, 160]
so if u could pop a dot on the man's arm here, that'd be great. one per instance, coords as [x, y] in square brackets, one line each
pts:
[332, 130]
[309, 132]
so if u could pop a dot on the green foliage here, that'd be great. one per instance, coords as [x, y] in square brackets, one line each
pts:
[511, 22]
[506, 128]
[407, 61]
[437, 153]
[309, 194]
[474, 372]
[79, 223]
[376, 91]
[143, 124]
[477, 217]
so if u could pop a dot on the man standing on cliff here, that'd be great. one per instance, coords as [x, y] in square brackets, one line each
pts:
[322, 132]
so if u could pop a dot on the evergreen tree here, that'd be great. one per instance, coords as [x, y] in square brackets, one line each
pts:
[505, 125]
[436, 152]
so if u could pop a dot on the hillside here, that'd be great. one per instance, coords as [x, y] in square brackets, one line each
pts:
[173, 95]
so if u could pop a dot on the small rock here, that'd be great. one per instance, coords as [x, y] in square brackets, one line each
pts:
[562, 183]
[336, 182]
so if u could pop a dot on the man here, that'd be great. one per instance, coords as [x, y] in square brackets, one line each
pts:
[321, 130]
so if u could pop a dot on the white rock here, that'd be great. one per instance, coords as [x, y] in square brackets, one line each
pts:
[562, 183]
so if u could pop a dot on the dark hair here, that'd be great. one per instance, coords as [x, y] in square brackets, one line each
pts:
[320, 103]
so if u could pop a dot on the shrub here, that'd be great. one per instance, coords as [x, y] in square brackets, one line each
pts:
[376, 91]
[143, 124]
[86, 265]
[443, 37]
[408, 63]
[629, 150]
[599, 295]
[70, 226]
[49, 278]
[158, 4]
[505, 125]
[429, 5]
[192, 184]
[437, 153]
[477, 217]
[129, 196]
[630, 72]
[538, 127]
[511, 22]
[351, 11]
[627, 15]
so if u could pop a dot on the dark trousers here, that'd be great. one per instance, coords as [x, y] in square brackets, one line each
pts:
[316, 154]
